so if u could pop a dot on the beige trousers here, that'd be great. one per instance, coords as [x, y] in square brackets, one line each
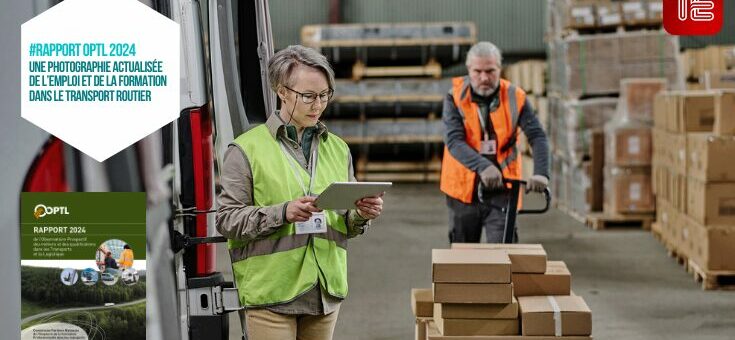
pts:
[263, 324]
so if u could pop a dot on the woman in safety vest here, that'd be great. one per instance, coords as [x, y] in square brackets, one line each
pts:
[290, 270]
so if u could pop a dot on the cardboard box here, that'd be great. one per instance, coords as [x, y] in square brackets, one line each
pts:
[711, 203]
[538, 314]
[707, 111]
[628, 146]
[674, 117]
[628, 190]
[659, 145]
[678, 186]
[433, 333]
[665, 217]
[711, 157]
[634, 12]
[638, 96]
[677, 150]
[655, 11]
[711, 247]
[659, 174]
[608, 14]
[709, 59]
[476, 310]
[524, 258]
[724, 114]
[581, 14]
[470, 266]
[556, 281]
[660, 105]
[719, 80]
[471, 327]
[473, 293]
[696, 111]
[421, 329]
[679, 233]
[422, 302]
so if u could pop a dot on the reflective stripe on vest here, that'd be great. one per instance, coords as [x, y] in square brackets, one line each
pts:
[293, 241]
[282, 266]
[456, 180]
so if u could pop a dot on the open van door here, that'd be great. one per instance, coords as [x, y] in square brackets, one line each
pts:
[225, 46]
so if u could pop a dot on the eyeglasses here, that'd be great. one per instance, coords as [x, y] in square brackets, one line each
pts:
[310, 97]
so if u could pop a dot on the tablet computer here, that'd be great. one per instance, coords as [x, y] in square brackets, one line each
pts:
[342, 195]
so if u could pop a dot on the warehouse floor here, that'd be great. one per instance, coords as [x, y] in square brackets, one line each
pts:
[634, 289]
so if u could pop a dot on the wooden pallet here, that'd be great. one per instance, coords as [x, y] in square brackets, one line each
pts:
[599, 221]
[712, 279]
[431, 69]
[677, 255]
[592, 30]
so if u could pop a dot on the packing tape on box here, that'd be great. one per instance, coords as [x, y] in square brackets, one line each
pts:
[557, 315]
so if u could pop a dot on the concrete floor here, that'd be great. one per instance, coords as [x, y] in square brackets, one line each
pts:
[634, 290]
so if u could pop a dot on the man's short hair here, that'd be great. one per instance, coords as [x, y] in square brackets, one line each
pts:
[484, 49]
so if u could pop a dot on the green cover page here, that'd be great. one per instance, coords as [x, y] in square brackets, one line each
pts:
[83, 265]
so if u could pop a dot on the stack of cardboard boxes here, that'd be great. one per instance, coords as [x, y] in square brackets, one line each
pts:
[473, 294]
[629, 145]
[709, 67]
[601, 14]
[694, 176]
[588, 72]
[499, 291]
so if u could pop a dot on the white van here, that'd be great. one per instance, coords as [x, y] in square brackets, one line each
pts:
[225, 46]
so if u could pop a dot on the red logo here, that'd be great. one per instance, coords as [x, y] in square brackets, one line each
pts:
[693, 17]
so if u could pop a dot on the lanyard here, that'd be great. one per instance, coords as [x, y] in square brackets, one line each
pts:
[482, 121]
[295, 170]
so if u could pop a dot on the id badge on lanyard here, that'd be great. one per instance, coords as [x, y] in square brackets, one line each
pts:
[317, 223]
[488, 146]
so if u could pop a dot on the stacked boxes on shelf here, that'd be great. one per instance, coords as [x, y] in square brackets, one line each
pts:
[593, 65]
[712, 67]
[399, 115]
[502, 291]
[628, 140]
[388, 46]
[567, 15]
[694, 180]
[599, 131]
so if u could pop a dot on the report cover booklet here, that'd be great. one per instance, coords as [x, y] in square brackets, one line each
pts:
[83, 265]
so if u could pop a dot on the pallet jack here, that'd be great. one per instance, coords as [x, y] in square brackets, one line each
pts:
[511, 211]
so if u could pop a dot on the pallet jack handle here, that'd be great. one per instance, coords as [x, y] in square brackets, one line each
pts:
[547, 197]
[511, 211]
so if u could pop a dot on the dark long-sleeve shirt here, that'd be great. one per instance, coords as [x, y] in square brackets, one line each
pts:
[455, 137]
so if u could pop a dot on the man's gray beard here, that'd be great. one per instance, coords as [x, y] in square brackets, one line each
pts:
[484, 93]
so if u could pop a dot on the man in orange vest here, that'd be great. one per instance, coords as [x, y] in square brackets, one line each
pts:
[483, 116]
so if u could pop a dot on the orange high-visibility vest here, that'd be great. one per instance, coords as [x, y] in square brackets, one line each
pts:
[126, 258]
[457, 181]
